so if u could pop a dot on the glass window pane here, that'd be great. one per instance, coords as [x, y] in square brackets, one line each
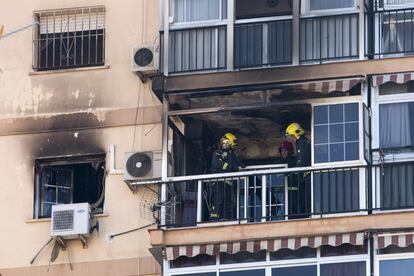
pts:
[63, 178]
[344, 269]
[196, 10]
[321, 154]
[321, 115]
[50, 194]
[200, 260]
[288, 254]
[336, 133]
[64, 196]
[351, 132]
[342, 250]
[47, 209]
[336, 152]
[256, 272]
[242, 257]
[310, 270]
[330, 4]
[397, 267]
[352, 151]
[392, 249]
[351, 112]
[321, 134]
[336, 113]
[198, 274]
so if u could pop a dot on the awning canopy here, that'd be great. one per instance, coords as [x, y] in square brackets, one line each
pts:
[399, 78]
[327, 86]
[272, 245]
[400, 240]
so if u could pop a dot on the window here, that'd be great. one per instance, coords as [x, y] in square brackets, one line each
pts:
[242, 257]
[288, 254]
[342, 250]
[336, 133]
[256, 272]
[402, 267]
[344, 269]
[71, 180]
[398, 2]
[70, 38]
[262, 8]
[199, 10]
[200, 260]
[396, 125]
[310, 270]
[397, 32]
[315, 5]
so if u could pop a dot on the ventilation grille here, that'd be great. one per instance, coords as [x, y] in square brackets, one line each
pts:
[63, 220]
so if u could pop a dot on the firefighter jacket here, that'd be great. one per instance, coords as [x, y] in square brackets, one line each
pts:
[225, 161]
[303, 148]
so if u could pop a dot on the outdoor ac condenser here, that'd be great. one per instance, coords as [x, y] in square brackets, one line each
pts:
[71, 220]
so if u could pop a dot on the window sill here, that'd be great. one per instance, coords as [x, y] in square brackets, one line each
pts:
[103, 215]
[35, 73]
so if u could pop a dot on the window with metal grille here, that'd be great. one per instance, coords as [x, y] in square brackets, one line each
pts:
[69, 38]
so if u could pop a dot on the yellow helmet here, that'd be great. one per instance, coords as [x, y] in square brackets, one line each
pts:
[231, 137]
[295, 129]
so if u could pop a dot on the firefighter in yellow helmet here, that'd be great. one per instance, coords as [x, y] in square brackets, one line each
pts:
[299, 184]
[295, 135]
[221, 195]
[224, 159]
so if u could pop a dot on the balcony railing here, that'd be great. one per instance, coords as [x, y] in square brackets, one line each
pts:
[197, 49]
[394, 185]
[393, 33]
[263, 43]
[329, 37]
[259, 196]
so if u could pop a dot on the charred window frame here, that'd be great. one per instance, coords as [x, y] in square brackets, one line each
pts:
[69, 180]
[69, 38]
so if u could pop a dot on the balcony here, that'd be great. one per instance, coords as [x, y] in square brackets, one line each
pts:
[262, 43]
[261, 195]
[391, 32]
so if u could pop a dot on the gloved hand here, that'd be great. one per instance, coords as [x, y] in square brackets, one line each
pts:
[224, 155]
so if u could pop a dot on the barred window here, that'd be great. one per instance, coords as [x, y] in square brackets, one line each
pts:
[69, 38]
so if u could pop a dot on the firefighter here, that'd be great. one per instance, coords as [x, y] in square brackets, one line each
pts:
[221, 195]
[286, 151]
[224, 159]
[299, 183]
[295, 135]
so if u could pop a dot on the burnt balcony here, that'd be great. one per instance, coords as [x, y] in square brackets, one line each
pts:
[260, 195]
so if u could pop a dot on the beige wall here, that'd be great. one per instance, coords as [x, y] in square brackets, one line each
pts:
[39, 116]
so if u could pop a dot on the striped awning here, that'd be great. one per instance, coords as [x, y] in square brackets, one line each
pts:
[396, 78]
[400, 240]
[328, 86]
[272, 245]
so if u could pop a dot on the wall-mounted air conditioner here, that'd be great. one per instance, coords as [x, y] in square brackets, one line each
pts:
[145, 59]
[71, 220]
[142, 165]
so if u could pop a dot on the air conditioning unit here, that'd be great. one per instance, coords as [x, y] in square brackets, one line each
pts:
[71, 220]
[145, 59]
[142, 165]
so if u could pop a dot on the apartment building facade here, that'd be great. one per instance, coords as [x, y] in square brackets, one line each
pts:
[343, 70]
[71, 106]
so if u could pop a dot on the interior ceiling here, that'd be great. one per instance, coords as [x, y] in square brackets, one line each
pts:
[256, 124]
[232, 99]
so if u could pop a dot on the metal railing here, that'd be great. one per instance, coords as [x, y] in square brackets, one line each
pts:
[394, 185]
[259, 196]
[329, 37]
[263, 43]
[393, 32]
[197, 49]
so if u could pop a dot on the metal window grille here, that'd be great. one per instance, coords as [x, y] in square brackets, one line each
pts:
[69, 38]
